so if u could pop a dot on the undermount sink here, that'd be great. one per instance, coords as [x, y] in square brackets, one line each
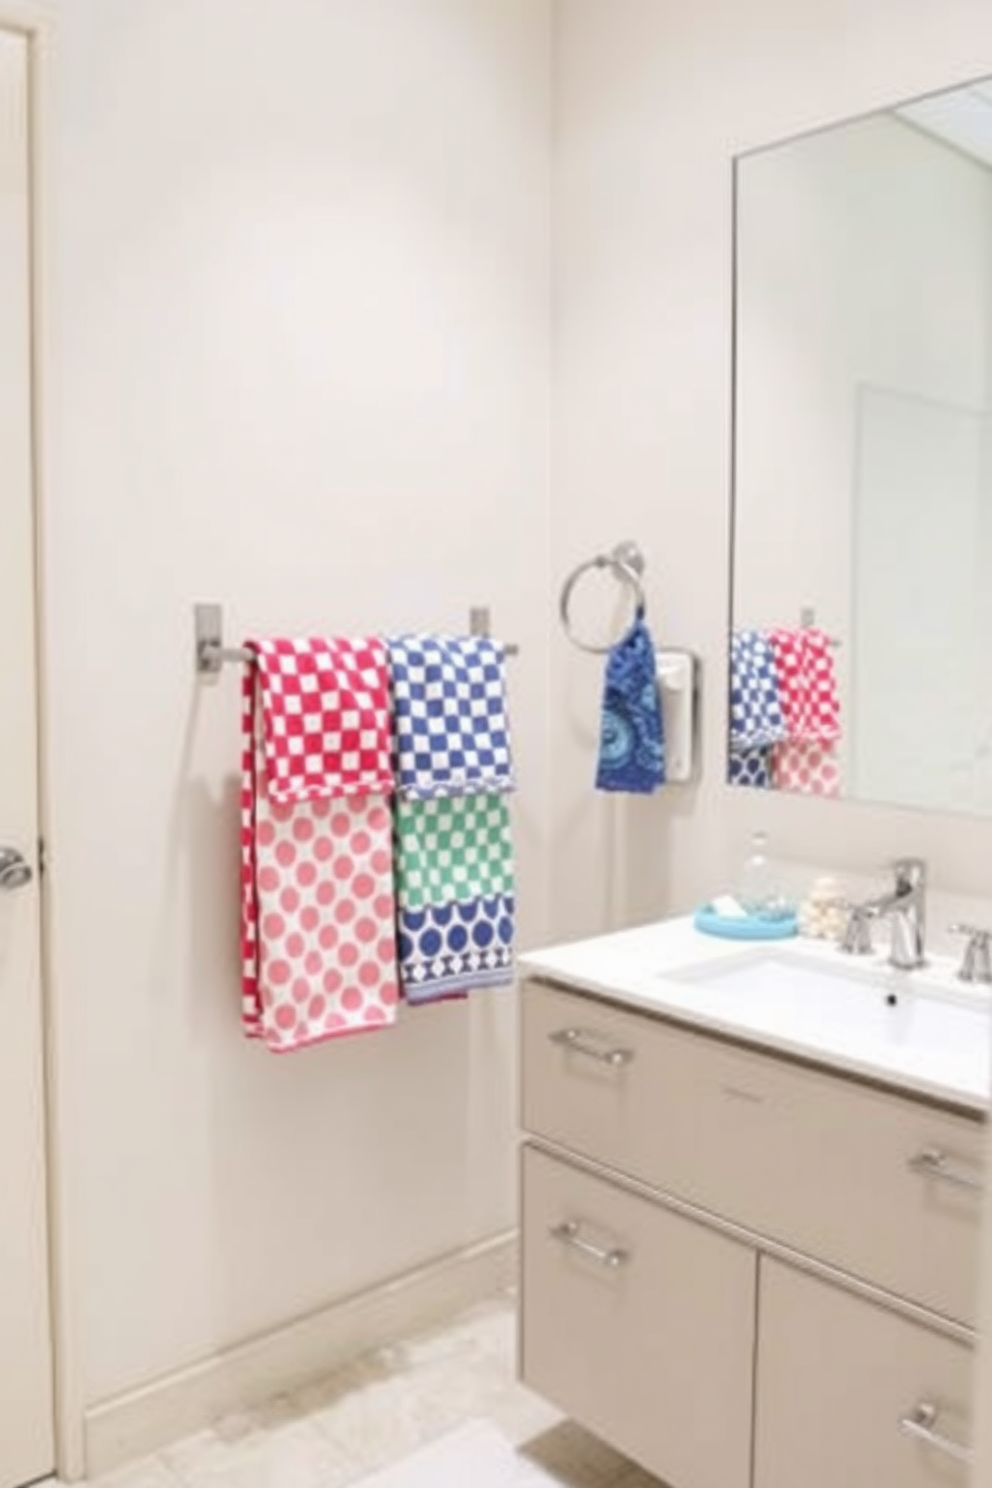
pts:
[871, 1015]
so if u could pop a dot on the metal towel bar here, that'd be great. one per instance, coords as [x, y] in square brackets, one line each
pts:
[211, 655]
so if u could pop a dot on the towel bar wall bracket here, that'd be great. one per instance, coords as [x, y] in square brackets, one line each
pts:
[211, 655]
[807, 621]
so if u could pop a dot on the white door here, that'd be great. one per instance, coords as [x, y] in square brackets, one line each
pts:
[26, 1447]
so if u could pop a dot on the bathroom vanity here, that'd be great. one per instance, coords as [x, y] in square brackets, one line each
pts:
[752, 1193]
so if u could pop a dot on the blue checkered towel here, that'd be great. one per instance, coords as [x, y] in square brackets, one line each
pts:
[756, 716]
[452, 736]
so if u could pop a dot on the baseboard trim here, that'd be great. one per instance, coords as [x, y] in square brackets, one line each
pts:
[239, 1378]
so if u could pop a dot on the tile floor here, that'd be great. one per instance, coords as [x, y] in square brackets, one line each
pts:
[383, 1408]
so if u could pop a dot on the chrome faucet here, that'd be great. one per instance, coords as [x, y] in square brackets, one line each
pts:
[904, 907]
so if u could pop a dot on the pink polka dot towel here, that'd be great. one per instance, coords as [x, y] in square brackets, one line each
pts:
[806, 768]
[318, 911]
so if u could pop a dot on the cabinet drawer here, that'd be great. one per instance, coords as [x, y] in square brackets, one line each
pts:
[836, 1378]
[634, 1319]
[837, 1169]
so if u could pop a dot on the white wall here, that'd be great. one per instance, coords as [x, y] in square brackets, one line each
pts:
[298, 327]
[299, 364]
[653, 101]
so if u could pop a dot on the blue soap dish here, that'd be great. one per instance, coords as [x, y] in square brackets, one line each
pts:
[708, 922]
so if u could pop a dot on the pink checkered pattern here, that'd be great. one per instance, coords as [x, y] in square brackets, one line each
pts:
[316, 882]
[327, 718]
[807, 686]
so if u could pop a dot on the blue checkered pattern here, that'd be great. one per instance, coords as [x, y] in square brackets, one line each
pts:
[756, 717]
[450, 719]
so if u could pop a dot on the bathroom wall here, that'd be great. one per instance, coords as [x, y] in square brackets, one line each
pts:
[652, 102]
[297, 315]
[297, 338]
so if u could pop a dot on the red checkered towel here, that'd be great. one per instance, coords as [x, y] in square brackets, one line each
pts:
[318, 938]
[807, 685]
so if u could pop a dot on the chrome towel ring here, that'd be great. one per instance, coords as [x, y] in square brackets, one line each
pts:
[626, 561]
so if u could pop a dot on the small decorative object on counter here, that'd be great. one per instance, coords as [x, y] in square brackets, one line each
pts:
[760, 890]
[729, 907]
[708, 920]
[822, 916]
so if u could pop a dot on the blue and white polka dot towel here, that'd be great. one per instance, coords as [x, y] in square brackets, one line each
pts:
[455, 896]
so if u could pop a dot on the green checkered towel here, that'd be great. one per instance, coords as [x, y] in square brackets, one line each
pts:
[454, 850]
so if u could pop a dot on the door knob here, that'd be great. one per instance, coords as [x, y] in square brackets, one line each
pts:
[15, 870]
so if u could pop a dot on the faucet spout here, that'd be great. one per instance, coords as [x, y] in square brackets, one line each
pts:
[905, 909]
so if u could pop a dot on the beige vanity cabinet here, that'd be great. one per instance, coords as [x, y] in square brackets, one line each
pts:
[831, 1167]
[852, 1395]
[738, 1268]
[637, 1322]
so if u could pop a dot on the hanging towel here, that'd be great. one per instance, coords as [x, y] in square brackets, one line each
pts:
[808, 761]
[807, 685]
[756, 717]
[451, 730]
[807, 768]
[318, 939]
[454, 866]
[751, 767]
[454, 858]
[453, 849]
[450, 949]
[632, 736]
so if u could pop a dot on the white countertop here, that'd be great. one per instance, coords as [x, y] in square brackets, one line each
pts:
[922, 1032]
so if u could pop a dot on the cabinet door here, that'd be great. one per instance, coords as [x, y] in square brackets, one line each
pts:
[850, 1395]
[639, 1324]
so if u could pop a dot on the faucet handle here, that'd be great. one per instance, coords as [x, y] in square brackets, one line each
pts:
[976, 963]
[857, 938]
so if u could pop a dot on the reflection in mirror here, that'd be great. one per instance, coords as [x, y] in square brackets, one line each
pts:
[862, 591]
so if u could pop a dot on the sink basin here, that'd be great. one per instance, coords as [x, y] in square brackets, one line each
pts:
[872, 1017]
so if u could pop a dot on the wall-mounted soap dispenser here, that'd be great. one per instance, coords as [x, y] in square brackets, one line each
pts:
[677, 674]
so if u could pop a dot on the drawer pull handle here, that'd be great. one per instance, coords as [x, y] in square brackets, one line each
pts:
[567, 1234]
[582, 1043]
[920, 1423]
[932, 1163]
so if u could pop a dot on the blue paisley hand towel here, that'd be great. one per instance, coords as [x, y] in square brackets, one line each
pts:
[632, 736]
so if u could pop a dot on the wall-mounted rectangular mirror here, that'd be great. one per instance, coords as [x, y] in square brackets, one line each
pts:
[862, 589]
